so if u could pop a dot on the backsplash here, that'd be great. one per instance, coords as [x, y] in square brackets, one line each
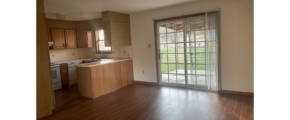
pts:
[67, 54]
[80, 53]
[117, 52]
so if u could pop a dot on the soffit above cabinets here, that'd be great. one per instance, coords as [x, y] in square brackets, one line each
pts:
[79, 10]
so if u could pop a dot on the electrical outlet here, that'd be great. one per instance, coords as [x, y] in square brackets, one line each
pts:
[53, 56]
[149, 45]
[143, 72]
[124, 52]
[73, 54]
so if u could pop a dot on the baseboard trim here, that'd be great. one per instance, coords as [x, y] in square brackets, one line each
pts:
[236, 93]
[147, 83]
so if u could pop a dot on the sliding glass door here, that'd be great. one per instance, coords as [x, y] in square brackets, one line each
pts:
[182, 49]
[171, 52]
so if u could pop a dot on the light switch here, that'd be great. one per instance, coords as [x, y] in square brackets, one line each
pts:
[149, 45]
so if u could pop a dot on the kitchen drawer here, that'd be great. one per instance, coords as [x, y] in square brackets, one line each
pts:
[63, 66]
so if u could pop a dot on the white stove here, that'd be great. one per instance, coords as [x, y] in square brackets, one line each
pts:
[55, 71]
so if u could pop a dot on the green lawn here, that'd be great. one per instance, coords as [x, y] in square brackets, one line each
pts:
[200, 59]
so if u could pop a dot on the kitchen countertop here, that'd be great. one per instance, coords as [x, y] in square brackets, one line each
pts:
[67, 61]
[102, 62]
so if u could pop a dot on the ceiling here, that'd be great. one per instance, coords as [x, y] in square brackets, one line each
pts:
[78, 10]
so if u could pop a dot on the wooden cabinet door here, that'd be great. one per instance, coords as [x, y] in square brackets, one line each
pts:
[64, 77]
[107, 33]
[90, 38]
[57, 36]
[112, 77]
[48, 35]
[82, 38]
[70, 38]
[106, 78]
[120, 34]
[118, 75]
[125, 76]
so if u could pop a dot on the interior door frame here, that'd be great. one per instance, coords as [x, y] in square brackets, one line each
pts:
[156, 38]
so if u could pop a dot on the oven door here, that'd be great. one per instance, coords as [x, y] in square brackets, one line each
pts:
[55, 73]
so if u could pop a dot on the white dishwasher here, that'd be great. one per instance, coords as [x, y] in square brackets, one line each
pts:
[72, 72]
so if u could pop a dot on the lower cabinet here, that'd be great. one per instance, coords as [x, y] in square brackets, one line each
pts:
[64, 74]
[102, 79]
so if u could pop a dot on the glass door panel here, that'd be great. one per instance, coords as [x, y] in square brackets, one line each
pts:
[171, 52]
[182, 52]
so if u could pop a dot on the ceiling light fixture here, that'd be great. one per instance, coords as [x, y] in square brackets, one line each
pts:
[60, 16]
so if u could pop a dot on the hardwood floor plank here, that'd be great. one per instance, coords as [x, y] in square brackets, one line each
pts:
[147, 102]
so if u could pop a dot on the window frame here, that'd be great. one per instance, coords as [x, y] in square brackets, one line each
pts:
[97, 43]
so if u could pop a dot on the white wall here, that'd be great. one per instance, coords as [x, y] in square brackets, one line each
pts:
[67, 54]
[236, 40]
[117, 52]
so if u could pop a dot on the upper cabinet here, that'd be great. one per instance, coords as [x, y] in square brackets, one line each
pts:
[90, 38]
[70, 38]
[57, 36]
[110, 16]
[70, 34]
[82, 38]
[116, 28]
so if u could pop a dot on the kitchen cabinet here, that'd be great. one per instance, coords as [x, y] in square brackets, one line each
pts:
[85, 38]
[70, 38]
[101, 79]
[115, 76]
[127, 72]
[64, 74]
[120, 34]
[58, 39]
[115, 17]
[82, 38]
[90, 38]
[116, 28]
[106, 78]
[117, 34]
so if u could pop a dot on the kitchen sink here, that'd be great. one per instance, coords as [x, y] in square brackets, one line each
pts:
[91, 60]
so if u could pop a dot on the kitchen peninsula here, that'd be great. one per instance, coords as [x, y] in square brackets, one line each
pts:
[98, 78]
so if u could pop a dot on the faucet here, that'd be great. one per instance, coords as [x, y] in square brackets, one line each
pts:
[103, 56]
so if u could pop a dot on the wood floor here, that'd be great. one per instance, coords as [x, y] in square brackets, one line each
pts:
[67, 97]
[148, 102]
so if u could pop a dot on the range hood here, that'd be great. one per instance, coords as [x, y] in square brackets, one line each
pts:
[50, 45]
